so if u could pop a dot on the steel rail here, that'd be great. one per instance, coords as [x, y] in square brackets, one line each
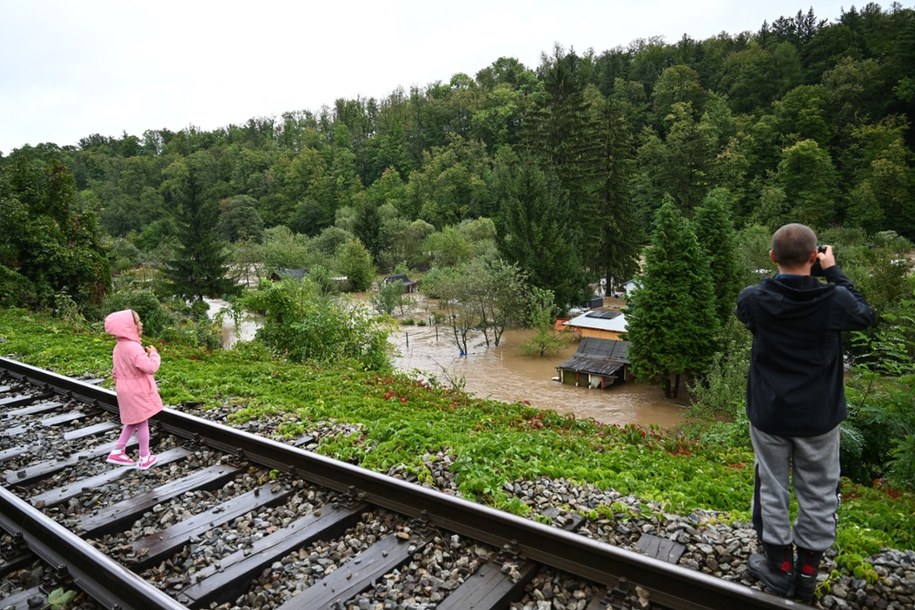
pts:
[108, 582]
[668, 585]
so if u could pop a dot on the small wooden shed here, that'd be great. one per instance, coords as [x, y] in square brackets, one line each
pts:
[598, 363]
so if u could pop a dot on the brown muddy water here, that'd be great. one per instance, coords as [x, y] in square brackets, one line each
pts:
[505, 373]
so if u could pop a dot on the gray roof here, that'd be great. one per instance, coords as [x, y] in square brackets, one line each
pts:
[399, 277]
[295, 274]
[598, 356]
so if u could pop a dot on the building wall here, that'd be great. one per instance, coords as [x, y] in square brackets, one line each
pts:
[599, 334]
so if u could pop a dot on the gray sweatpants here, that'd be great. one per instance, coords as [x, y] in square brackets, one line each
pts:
[813, 462]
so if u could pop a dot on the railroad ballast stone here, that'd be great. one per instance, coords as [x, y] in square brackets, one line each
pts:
[712, 545]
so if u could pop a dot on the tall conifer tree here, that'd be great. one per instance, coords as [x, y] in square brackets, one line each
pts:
[535, 230]
[671, 318]
[200, 266]
[716, 235]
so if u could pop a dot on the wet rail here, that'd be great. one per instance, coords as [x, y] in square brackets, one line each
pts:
[227, 517]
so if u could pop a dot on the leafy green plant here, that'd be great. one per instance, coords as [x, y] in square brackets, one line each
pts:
[59, 599]
[302, 324]
[387, 421]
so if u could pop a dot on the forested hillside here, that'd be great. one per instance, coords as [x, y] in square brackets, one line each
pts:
[808, 119]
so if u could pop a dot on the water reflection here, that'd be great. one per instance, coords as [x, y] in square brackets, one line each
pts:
[505, 373]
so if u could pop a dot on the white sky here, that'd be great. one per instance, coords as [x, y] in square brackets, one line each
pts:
[72, 68]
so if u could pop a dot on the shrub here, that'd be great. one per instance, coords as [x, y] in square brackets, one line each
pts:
[303, 325]
[156, 318]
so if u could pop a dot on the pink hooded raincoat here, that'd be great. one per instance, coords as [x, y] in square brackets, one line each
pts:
[138, 395]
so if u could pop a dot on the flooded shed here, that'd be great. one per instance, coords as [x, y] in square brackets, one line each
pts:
[598, 363]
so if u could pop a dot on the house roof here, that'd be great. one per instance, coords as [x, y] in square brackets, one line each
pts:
[399, 277]
[296, 274]
[598, 356]
[603, 348]
[591, 366]
[600, 319]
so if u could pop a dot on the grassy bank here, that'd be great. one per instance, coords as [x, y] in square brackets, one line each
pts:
[395, 421]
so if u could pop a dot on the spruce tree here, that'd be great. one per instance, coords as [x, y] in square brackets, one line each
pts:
[671, 318]
[618, 232]
[200, 266]
[716, 235]
[562, 130]
[536, 232]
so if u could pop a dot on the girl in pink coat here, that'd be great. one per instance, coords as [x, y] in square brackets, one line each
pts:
[138, 394]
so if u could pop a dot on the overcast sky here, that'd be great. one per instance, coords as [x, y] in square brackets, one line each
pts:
[72, 68]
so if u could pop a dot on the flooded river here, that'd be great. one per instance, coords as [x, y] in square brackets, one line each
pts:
[505, 373]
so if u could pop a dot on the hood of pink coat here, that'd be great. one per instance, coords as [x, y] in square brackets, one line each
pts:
[121, 325]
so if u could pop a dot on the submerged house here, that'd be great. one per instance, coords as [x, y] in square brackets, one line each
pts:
[598, 363]
[408, 285]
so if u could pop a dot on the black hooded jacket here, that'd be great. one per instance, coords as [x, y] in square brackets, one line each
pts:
[795, 385]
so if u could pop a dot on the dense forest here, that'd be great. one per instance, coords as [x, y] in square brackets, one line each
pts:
[560, 168]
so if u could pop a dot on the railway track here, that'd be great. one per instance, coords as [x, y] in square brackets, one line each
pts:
[227, 519]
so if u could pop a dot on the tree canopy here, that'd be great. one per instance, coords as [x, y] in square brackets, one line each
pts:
[807, 119]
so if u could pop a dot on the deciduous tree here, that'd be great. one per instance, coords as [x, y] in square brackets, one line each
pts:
[51, 250]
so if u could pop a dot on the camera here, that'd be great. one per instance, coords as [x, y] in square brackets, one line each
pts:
[816, 270]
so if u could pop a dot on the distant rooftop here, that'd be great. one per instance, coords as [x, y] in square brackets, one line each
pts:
[609, 320]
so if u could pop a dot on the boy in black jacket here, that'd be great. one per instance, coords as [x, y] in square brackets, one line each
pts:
[795, 403]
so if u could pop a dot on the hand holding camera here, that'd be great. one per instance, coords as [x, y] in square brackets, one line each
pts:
[826, 258]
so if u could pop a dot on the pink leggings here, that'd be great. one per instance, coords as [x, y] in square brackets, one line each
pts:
[142, 430]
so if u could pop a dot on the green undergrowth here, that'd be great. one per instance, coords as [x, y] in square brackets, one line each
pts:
[395, 421]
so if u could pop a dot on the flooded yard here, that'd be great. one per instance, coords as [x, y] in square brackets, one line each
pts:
[505, 373]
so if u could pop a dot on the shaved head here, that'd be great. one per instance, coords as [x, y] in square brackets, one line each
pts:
[793, 244]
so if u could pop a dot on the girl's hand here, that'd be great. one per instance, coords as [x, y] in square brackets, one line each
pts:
[150, 350]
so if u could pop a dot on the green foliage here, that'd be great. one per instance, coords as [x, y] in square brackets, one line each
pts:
[452, 286]
[16, 289]
[284, 249]
[542, 314]
[716, 235]
[155, 317]
[536, 229]
[394, 421]
[877, 264]
[808, 177]
[355, 262]
[199, 268]
[881, 418]
[671, 320]
[239, 220]
[448, 247]
[59, 599]
[49, 245]
[752, 252]
[303, 325]
[721, 394]
[389, 297]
